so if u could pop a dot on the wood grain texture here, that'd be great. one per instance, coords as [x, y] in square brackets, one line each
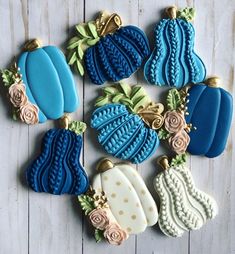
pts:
[45, 224]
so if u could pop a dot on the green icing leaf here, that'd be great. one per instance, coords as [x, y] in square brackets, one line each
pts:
[173, 99]
[125, 88]
[179, 159]
[77, 127]
[8, 77]
[101, 101]
[117, 98]
[163, 134]
[14, 115]
[99, 235]
[187, 13]
[87, 203]
[86, 36]
[109, 90]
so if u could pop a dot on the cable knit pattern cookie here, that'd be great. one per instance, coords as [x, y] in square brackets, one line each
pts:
[57, 170]
[210, 112]
[173, 61]
[40, 74]
[110, 52]
[129, 203]
[127, 121]
[182, 206]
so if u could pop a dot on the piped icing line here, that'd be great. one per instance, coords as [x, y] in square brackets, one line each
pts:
[182, 206]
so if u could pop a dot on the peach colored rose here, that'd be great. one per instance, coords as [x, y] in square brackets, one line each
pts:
[174, 121]
[17, 95]
[28, 113]
[114, 234]
[179, 141]
[99, 218]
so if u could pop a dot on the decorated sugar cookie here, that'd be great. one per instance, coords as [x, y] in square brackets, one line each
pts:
[40, 84]
[107, 50]
[57, 170]
[173, 61]
[119, 203]
[210, 110]
[183, 207]
[127, 120]
[175, 130]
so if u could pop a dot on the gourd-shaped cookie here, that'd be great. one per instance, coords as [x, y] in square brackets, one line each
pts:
[57, 170]
[129, 202]
[173, 61]
[41, 85]
[182, 206]
[110, 52]
[126, 120]
[210, 110]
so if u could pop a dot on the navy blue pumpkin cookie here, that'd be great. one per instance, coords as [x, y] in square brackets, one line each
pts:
[108, 51]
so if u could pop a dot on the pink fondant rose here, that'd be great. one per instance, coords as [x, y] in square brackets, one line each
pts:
[28, 113]
[179, 141]
[99, 218]
[114, 234]
[174, 121]
[17, 95]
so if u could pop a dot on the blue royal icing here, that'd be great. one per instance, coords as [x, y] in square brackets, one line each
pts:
[116, 56]
[123, 134]
[57, 170]
[210, 111]
[49, 82]
[173, 61]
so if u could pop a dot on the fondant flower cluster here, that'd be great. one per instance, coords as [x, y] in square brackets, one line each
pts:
[96, 207]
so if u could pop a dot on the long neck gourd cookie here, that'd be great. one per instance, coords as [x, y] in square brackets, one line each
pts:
[210, 110]
[107, 50]
[183, 207]
[119, 203]
[127, 120]
[40, 84]
[57, 170]
[173, 61]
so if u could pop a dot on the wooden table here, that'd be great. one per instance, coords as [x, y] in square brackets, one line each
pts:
[46, 224]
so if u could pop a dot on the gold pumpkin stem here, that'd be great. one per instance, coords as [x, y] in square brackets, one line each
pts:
[171, 12]
[104, 165]
[213, 82]
[163, 162]
[64, 121]
[32, 45]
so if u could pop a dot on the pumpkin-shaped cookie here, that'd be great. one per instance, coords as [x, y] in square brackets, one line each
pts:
[57, 170]
[126, 121]
[41, 85]
[183, 207]
[210, 110]
[113, 52]
[173, 61]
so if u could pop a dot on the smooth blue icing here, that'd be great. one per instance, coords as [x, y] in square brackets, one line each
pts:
[49, 82]
[210, 111]
[57, 170]
[123, 134]
[173, 61]
[116, 56]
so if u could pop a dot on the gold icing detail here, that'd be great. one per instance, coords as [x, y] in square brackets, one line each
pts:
[106, 178]
[100, 199]
[128, 229]
[32, 45]
[137, 205]
[104, 165]
[118, 183]
[125, 200]
[213, 82]
[106, 23]
[171, 12]
[113, 195]
[163, 162]
[150, 208]
[133, 217]
[121, 212]
[143, 192]
[64, 121]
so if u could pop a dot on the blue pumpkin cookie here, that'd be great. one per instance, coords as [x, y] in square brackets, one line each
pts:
[210, 110]
[108, 51]
[41, 74]
[173, 61]
[127, 120]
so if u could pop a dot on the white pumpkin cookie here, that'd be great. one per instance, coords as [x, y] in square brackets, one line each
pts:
[182, 206]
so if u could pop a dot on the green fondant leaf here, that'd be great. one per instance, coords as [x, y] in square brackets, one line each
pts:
[141, 101]
[101, 101]
[126, 102]
[117, 97]
[73, 45]
[77, 127]
[187, 13]
[80, 51]
[82, 31]
[179, 159]
[7, 77]
[79, 67]
[72, 59]
[173, 99]
[14, 115]
[92, 29]
[92, 42]
[99, 235]
[87, 203]
[163, 134]
[126, 89]
[109, 90]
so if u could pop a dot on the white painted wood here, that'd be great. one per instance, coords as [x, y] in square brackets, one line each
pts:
[39, 223]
